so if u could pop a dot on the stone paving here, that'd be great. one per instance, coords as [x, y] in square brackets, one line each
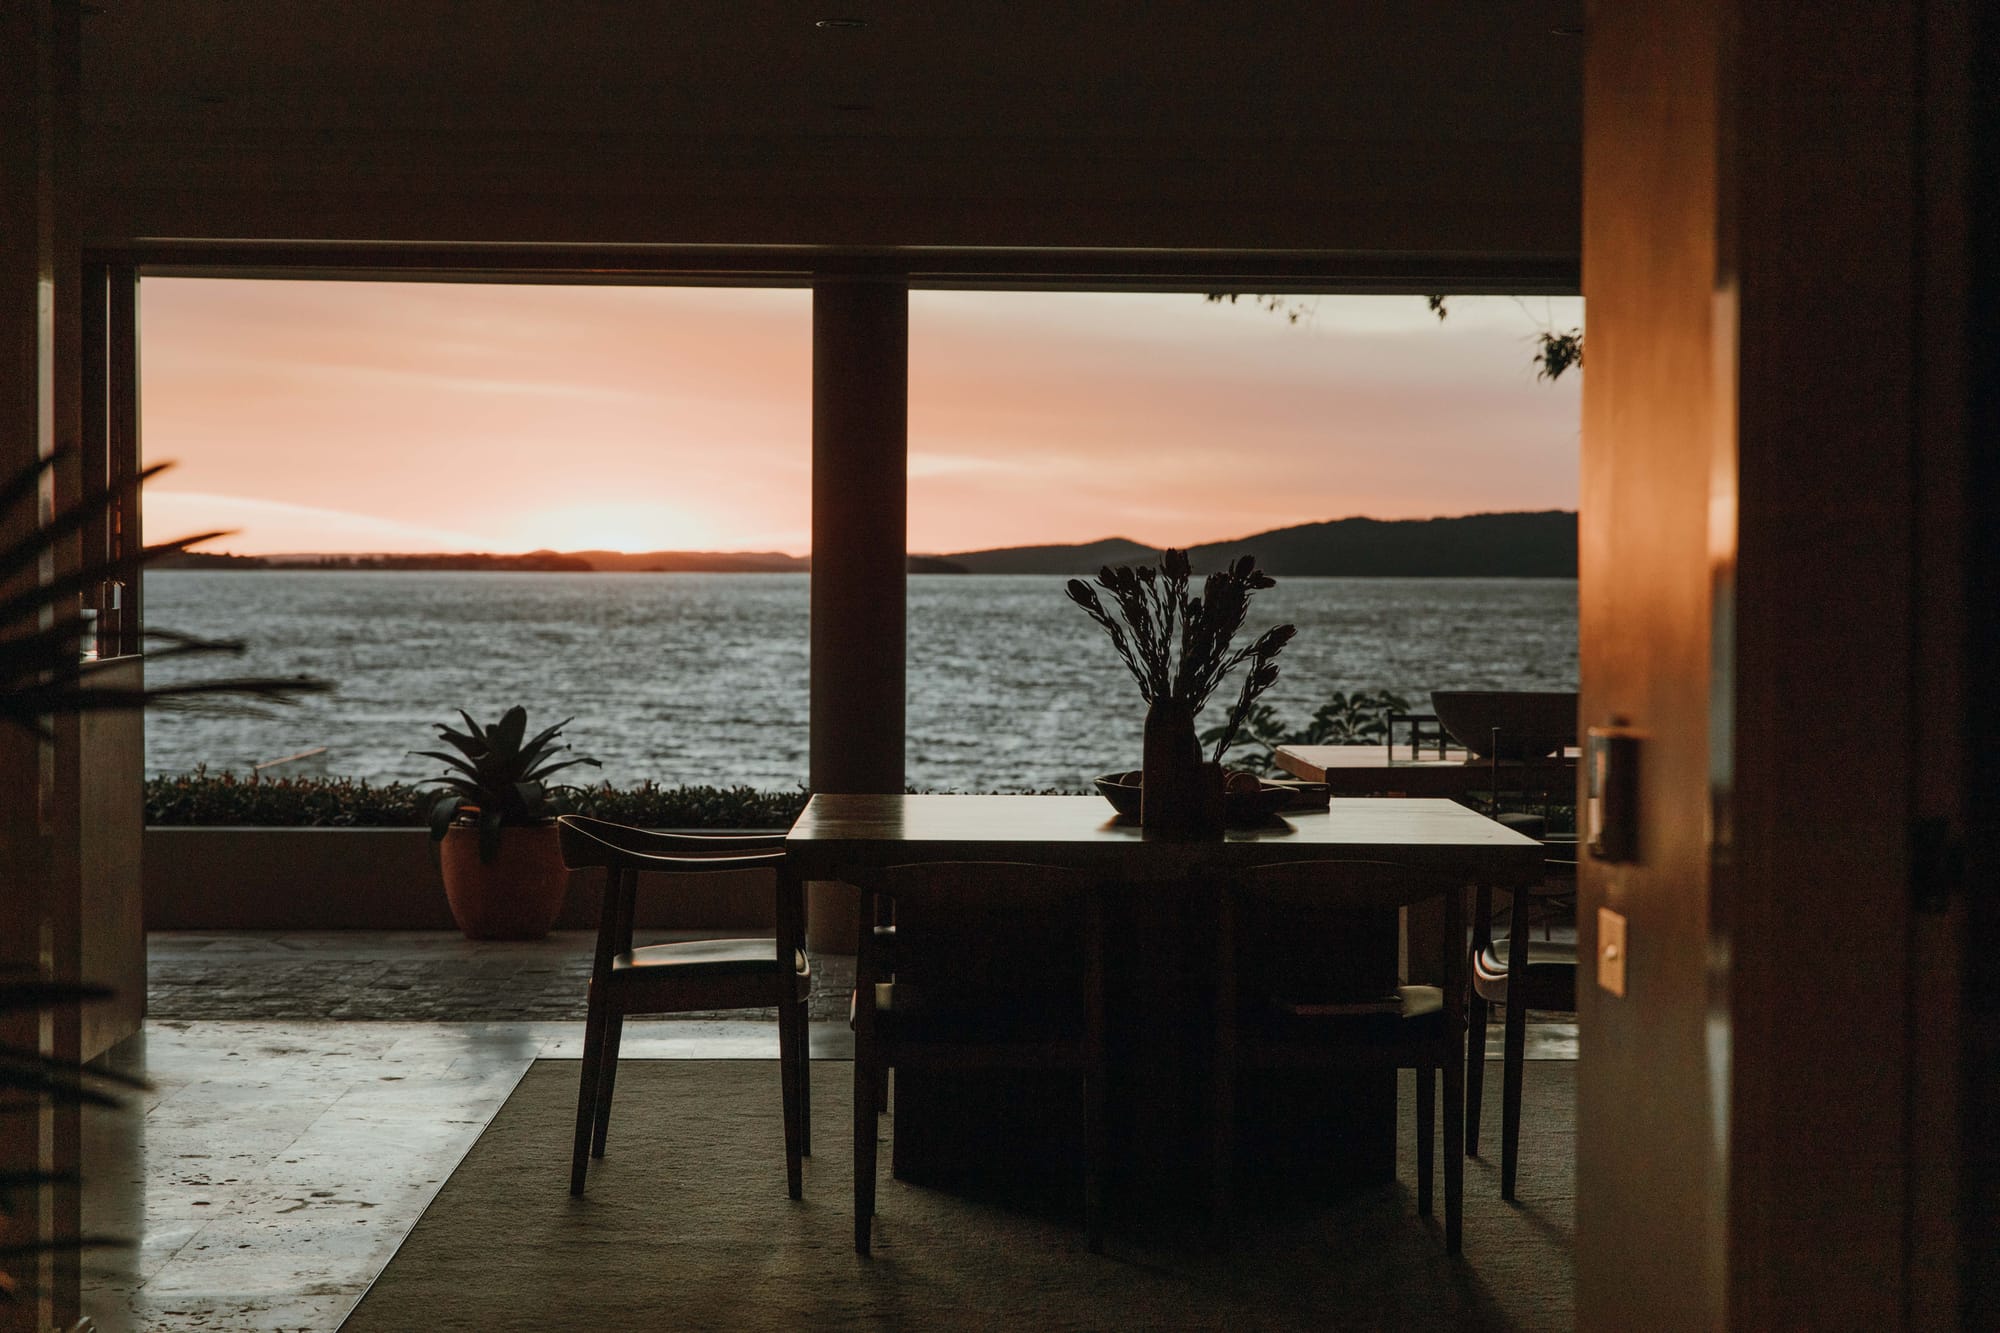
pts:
[414, 976]
[439, 977]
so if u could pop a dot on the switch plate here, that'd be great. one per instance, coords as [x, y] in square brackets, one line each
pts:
[1611, 950]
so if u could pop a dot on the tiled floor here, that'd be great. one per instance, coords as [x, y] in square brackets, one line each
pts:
[274, 1167]
[277, 1163]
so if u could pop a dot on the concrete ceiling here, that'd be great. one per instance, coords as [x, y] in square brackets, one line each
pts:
[1375, 126]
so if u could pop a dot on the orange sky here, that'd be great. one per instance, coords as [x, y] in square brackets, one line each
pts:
[338, 416]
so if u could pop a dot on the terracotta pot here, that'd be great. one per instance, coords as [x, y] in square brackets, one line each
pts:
[517, 895]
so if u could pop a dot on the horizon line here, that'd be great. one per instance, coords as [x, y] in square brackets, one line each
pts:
[768, 552]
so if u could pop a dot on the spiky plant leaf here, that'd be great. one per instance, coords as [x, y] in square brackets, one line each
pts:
[498, 772]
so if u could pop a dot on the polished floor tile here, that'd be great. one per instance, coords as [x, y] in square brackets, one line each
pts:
[273, 1168]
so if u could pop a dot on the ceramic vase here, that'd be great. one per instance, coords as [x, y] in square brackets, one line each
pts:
[1174, 793]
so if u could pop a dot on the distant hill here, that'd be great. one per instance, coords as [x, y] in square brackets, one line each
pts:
[539, 562]
[710, 562]
[1538, 544]
[209, 560]
[1086, 558]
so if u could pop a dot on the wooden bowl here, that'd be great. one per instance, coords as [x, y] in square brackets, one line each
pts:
[1532, 724]
[1239, 808]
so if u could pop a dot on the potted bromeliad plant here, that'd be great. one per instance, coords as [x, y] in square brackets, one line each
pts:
[494, 818]
[1178, 648]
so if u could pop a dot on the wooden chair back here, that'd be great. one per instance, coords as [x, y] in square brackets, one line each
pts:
[1278, 909]
[624, 853]
[958, 909]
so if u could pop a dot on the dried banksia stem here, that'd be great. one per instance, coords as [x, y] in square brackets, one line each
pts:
[1177, 646]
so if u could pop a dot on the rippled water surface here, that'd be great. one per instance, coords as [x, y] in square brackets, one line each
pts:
[701, 678]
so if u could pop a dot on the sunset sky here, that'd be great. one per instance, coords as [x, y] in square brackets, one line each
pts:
[342, 416]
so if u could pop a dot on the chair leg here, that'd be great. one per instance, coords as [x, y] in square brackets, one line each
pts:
[1454, 1150]
[788, 1078]
[1222, 1102]
[1513, 1057]
[1426, 1134]
[607, 1079]
[805, 1080]
[586, 1096]
[865, 1130]
[1475, 1070]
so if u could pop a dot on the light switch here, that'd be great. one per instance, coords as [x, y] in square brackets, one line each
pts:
[1611, 950]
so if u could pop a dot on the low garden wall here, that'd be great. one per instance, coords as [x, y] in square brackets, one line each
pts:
[248, 878]
[223, 853]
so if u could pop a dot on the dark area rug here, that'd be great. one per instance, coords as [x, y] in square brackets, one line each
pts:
[686, 1225]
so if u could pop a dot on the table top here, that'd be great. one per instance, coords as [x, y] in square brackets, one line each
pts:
[1084, 831]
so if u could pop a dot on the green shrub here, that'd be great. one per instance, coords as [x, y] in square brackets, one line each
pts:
[201, 799]
[650, 805]
[198, 798]
[1360, 718]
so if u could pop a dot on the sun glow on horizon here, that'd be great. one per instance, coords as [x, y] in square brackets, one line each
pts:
[631, 526]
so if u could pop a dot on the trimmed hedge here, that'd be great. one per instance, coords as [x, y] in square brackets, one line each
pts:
[199, 799]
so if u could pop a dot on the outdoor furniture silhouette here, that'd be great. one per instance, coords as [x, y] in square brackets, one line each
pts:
[1532, 974]
[939, 1008]
[691, 976]
[1273, 1012]
[1378, 770]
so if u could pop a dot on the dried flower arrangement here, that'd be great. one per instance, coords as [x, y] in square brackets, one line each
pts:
[1159, 616]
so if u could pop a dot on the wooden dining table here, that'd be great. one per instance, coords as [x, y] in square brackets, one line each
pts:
[1159, 966]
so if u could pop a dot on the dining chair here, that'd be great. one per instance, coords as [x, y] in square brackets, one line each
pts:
[690, 976]
[1529, 974]
[1269, 1021]
[949, 1016]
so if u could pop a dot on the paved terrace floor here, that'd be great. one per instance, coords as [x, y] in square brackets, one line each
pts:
[404, 977]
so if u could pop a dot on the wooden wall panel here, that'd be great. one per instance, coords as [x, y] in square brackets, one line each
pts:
[112, 944]
[1649, 1208]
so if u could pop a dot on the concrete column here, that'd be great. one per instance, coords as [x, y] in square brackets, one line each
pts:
[861, 340]
[859, 503]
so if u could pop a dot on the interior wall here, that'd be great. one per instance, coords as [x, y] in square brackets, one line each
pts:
[1298, 126]
[40, 409]
[542, 189]
[1834, 433]
[1977, 1042]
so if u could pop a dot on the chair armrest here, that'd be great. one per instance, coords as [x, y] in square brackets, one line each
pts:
[596, 842]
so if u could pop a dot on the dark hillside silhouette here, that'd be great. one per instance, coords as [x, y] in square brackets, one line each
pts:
[1516, 545]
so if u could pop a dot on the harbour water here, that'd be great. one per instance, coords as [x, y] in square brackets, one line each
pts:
[701, 678]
